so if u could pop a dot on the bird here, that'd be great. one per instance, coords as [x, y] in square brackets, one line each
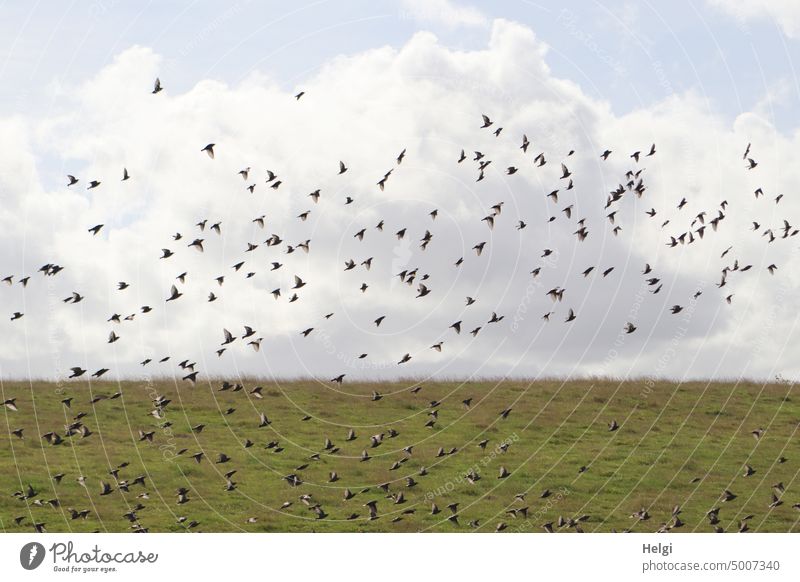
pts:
[174, 293]
[229, 338]
[209, 149]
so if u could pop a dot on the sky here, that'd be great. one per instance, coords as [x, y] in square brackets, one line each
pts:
[701, 80]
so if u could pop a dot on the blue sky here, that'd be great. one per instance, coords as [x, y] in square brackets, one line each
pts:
[628, 53]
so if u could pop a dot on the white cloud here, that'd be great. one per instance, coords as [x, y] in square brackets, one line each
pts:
[364, 109]
[785, 13]
[444, 12]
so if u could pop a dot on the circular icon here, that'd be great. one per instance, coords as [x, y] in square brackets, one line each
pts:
[31, 555]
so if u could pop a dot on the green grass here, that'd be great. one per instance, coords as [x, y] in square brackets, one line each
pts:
[669, 435]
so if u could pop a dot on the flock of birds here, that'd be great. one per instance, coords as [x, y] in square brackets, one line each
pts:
[199, 236]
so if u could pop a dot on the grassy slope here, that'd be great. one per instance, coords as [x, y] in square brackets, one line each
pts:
[667, 437]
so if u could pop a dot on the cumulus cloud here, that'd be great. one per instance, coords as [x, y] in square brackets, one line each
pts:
[364, 109]
[785, 13]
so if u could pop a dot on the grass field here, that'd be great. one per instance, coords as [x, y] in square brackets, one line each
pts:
[676, 445]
